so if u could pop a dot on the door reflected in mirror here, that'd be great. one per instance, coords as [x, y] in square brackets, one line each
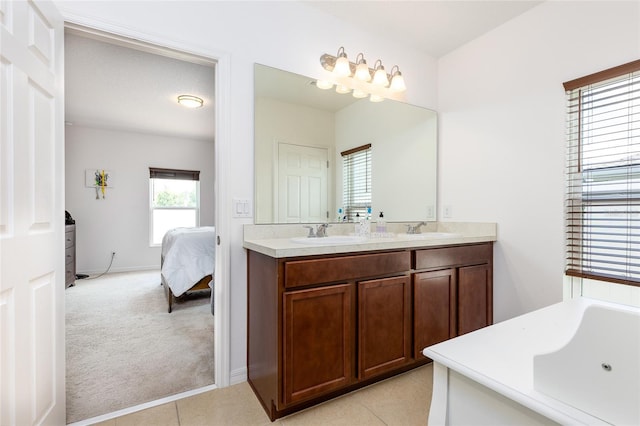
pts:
[300, 133]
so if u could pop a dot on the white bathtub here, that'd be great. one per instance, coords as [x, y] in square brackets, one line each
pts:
[576, 362]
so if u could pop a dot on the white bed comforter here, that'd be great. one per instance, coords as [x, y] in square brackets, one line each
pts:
[188, 255]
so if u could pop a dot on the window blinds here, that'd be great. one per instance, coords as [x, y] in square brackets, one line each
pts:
[356, 181]
[602, 209]
[157, 173]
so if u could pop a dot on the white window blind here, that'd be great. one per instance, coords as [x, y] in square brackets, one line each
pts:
[602, 210]
[356, 181]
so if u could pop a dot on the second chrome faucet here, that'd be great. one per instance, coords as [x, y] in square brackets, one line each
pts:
[320, 232]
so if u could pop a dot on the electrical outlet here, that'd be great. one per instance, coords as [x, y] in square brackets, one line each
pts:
[446, 212]
[430, 212]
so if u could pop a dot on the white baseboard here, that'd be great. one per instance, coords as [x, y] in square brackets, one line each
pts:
[122, 269]
[238, 376]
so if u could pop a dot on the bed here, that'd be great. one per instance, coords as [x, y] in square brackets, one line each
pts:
[187, 261]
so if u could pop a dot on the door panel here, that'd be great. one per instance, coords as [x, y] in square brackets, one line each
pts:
[318, 335]
[384, 325]
[302, 184]
[434, 308]
[31, 214]
[474, 298]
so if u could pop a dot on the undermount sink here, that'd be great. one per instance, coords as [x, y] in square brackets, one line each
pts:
[429, 235]
[332, 239]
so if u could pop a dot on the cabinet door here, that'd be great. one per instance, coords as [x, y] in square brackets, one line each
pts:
[318, 341]
[434, 308]
[384, 332]
[475, 298]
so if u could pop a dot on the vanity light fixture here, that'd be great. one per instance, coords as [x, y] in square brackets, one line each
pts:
[397, 81]
[342, 67]
[380, 75]
[366, 81]
[190, 101]
[362, 69]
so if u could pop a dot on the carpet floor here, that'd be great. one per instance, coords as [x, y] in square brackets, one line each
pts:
[124, 349]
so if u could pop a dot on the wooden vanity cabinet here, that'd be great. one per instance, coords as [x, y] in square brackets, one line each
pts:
[320, 326]
[384, 325]
[318, 341]
[454, 295]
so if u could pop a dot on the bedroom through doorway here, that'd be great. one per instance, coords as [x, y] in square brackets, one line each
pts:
[122, 117]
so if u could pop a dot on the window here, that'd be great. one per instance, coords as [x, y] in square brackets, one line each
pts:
[356, 181]
[174, 201]
[602, 210]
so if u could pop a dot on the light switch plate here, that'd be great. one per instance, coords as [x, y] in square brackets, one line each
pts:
[242, 207]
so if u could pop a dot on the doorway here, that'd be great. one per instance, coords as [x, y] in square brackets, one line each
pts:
[113, 199]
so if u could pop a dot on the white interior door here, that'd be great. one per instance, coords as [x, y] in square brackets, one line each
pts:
[32, 273]
[302, 184]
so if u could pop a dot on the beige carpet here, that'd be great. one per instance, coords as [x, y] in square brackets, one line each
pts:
[124, 349]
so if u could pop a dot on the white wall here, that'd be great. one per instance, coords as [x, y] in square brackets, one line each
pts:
[286, 35]
[403, 142]
[120, 221]
[501, 159]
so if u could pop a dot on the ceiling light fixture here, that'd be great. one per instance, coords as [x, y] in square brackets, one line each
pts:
[364, 81]
[190, 101]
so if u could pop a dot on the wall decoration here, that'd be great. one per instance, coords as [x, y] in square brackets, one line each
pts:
[99, 179]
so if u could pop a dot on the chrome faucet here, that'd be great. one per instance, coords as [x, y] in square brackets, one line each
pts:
[415, 229]
[311, 233]
[321, 231]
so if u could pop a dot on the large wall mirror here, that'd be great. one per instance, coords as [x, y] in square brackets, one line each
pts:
[300, 133]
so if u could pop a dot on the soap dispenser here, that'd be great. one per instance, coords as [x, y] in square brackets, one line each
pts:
[381, 225]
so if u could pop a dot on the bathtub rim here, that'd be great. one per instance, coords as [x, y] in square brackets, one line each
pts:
[466, 356]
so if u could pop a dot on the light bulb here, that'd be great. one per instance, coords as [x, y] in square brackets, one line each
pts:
[357, 93]
[342, 68]
[362, 71]
[376, 98]
[380, 77]
[342, 89]
[397, 81]
[324, 84]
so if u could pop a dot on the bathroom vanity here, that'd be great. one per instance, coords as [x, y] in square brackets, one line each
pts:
[326, 319]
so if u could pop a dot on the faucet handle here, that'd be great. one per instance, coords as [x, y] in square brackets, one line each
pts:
[311, 233]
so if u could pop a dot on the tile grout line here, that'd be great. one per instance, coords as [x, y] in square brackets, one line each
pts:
[374, 413]
[177, 411]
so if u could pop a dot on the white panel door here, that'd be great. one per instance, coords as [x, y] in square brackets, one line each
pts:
[32, 388]
[302, 184]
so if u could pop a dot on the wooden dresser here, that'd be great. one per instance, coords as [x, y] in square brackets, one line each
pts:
[70, 255]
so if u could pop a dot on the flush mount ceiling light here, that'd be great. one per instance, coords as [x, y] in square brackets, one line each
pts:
[365, 80]
[190, 101]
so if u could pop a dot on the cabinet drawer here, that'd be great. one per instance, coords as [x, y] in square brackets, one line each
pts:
[453, 256]
[69, 255]
[316, 271]
[70, 272]
[69, 239]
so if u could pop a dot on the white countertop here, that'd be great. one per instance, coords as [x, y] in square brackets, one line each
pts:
[500, 357]
[276, 240]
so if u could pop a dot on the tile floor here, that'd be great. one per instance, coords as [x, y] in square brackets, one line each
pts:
[401, 400]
